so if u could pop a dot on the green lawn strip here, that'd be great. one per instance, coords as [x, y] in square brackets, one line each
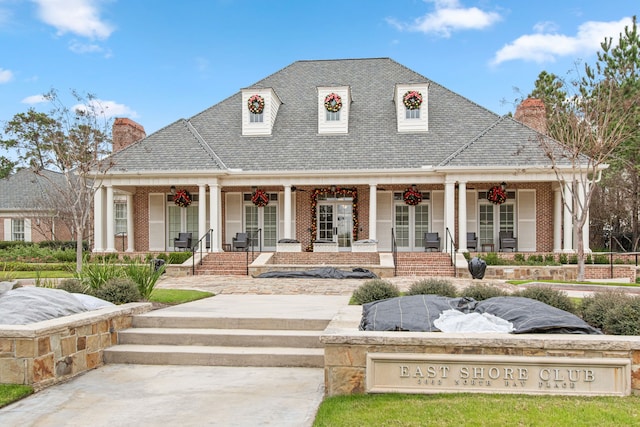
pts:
[524, 282]
[12, 392]
[177, 296]
[45, 274]
[477, 410]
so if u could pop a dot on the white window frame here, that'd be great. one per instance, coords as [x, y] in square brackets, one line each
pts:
[18, 228]
[120, 217]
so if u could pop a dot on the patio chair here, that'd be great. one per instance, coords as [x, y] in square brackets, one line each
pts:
[431, 241]
[507, 241]
[183, 241]
[240, 242]
[472, 241]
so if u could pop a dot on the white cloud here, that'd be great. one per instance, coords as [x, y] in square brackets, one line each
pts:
[34, 99]
[449, 16]
[5, 76]
[546, 46]
[81, 17]
[108, 108]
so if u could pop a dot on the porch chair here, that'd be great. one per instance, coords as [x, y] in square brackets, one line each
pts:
[240, 242]
[472, 241]
[183, 241]
[507, 241]
[431, 241]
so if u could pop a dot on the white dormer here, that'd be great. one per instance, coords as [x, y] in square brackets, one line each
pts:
[259, 111]
[411, 107]
[333, 109]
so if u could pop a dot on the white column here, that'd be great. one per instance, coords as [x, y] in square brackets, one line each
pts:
[288, 209]
[202, 214]
[557, 220]
[462, 217]
[130, 227]
[215, 217]
[98, 220]
[111, 241]
[373, 211]
[449, 212]
[568, 220]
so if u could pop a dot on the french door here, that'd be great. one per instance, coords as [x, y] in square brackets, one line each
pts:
[410, 224]
[335, 222]
[182, 220]
[265, 218]
[493, 219]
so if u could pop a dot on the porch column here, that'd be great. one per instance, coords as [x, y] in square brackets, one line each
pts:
[130, 228]
[373, 211]
[215, 219]
[449, 212]
[288, 209]
[568, 221]
[557, 220]
[462, 217]
[111, 241]
[202, 213]
[98, 220]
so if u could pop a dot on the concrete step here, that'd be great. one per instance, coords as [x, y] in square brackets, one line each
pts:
[220, 337]
[192, 320]
[215, 356]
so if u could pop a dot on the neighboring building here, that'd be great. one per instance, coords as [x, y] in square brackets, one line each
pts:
[344, 150]
[26, 212]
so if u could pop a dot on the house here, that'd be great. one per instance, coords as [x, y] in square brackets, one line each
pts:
[334, 152]
[26, 213]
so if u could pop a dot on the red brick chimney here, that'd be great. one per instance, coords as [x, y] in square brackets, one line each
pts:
[532, 113]
[125, 132]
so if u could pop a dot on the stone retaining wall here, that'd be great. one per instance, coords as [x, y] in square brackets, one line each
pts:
[346, 350]
[566, 273]
[48, 352]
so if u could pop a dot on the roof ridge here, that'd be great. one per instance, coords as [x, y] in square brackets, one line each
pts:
[204, 144]
[471, 142]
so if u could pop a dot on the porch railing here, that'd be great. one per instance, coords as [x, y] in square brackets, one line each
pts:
[450, 246]
[255, 236]
[122, 234]
[199, 244]
[394, 252]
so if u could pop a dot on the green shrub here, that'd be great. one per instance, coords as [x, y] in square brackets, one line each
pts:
[534, 260]
[96, 275]
[518, 258]
[595, 308]
[492, 258]
[550, 296]
[8, 245]
[178, 257]
[374, 290]
[433, 287]
[145, 276]
[601, 259]
[563, 259]
[163, 256]
[481, 291]
[118, 290]
[25, 266]
[549, 259]
[74, 286]
[624, 319]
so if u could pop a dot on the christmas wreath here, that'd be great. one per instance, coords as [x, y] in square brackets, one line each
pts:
[260, 198]
[412, 99]
[256, 104]
[412, 196]
[182, 198]
[333, 102]
[497, 195]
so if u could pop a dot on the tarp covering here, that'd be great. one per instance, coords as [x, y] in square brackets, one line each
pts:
[322, 273]
[457, 321]
[422, 313]
[27, 305]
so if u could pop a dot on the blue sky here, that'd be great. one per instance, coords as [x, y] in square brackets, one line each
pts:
[158, 61]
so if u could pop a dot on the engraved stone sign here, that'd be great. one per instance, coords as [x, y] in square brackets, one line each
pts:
[439, 373]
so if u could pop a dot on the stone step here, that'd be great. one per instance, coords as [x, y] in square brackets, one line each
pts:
[220, 337]
[215, 356]
[191, 320]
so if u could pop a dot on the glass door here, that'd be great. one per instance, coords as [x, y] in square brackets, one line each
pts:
[335, 222]
[410, 224]
[182, 220]
[266, 219]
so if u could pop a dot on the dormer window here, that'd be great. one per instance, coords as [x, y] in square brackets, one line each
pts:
[259, 109]
[411, 101]
[333, 109]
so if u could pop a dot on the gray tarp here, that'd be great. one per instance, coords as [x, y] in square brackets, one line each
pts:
[27, 305]
[418, 313]
[322, 273]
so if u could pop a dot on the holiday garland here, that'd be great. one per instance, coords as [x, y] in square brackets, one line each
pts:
[333, 102]
[497, 195]
[344, 192]
[260, 198]
[256, 104]
[182, 198]
[412, 99]
[412, 197]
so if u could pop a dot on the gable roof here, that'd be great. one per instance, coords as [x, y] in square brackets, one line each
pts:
[27, 190]
[460, 131]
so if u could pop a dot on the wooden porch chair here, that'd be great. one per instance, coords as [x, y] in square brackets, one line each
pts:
[472, 241]
[183, 241]
[507, 241]
[240, 242]
[431, 241]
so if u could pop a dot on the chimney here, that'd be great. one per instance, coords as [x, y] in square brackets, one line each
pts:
[125, 132]
[531, 112]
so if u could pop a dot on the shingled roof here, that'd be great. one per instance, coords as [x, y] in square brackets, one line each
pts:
[461, 133]
[27, 190]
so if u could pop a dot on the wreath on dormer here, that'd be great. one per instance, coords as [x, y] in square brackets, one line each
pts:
[412, 197]
[497, 195]
[182, 198]
[412, 99]
[256, 104]
[333, 102]
[260, 198]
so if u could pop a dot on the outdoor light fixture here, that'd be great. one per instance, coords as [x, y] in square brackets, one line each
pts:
[503, 185]
[333, 189]
[173, 190]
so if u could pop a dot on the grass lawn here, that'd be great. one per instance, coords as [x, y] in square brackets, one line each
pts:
[45, 274]
[177, 296]
[477, 410]
[12, 392]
